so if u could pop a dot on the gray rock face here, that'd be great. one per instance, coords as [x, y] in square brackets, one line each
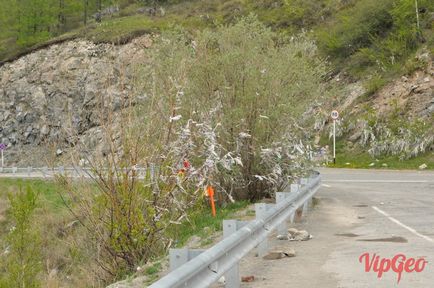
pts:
[50, 94]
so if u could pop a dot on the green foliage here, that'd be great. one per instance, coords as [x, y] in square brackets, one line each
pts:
[23, 261]
[48, 191]
[306, 13]
[254, 85]
[125, 220]
[372, 33]
[375, 83]
[28, 22]
[121, 30]
[201, 218]
[151, 270]
[356, 26]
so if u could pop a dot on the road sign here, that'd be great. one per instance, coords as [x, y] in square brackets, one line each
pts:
[334, 115]
[3, 146]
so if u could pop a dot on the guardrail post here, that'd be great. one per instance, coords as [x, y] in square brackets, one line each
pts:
[44, 171]
[295, 188]
[232, 276]
[14, 170]
[29, 171]
[152, 171]
[280, 197]
[61, 170]
[261, 210]
[304, 182]
[178, 257]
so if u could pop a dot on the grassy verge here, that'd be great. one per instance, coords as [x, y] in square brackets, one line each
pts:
[47, 190]
[201, 223]
[358, 158]
[58, 233]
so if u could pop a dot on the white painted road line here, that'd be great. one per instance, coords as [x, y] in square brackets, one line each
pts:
[380, 181]
[403, 225]
[325, 185]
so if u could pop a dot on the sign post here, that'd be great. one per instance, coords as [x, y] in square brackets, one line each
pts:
[335, 116]
[2, 147]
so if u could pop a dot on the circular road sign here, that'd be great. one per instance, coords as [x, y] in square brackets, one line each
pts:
[334, 114]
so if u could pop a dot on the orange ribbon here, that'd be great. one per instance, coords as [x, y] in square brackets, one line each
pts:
[210, 192]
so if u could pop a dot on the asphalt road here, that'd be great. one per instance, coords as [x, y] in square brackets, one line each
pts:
[360, 211]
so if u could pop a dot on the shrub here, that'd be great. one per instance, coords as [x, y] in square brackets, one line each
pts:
[375, 83]
[217, 110]
[249, 86]
[304, 14]
[356, 27]
[23, 260]
[376, 33]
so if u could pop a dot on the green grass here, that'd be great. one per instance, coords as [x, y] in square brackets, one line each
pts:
[120, 30]
[54, 215]
[47, 190]
[201, 219]
[152, 272]
[198, 219]
[201, 223]
[359, 158]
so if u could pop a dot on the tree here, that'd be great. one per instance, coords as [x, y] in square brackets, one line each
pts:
[23, 262]
[252, 87]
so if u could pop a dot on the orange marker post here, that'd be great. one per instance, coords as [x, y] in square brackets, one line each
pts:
[210, 191]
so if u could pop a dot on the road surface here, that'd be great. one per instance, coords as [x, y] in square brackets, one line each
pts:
[359, 211]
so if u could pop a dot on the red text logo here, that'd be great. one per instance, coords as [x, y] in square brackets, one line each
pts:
[398, 264]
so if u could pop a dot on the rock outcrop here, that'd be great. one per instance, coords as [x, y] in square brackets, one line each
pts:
[51, 94]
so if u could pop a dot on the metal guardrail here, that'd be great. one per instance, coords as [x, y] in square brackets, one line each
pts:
[206, 267]
[202, 268]
[72, 171]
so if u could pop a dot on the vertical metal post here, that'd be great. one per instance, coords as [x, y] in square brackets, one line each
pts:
[334, 141]
[177, 257]
[261, 210]
[232, 276]
[303, 182]
[3, 159]
[280, 197]
[45, 171]
[152, 171]
[305, 207]
[295, 188]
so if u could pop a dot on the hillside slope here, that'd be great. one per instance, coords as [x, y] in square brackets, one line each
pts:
[370, 48]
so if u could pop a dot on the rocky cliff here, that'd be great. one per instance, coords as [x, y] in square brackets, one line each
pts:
[51, 94]
[50, 99]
